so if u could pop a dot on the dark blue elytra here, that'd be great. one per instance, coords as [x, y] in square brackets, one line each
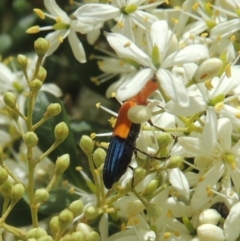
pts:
[119, 156]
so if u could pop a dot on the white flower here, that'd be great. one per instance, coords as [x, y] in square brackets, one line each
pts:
[64, 27]
[126, 13]
[164, 52]
[225, 161]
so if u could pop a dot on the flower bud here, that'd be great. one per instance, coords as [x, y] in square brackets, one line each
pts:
[135, 207]
[41, 195]
[61, 132]
[12, 113]
[41, 46]
[84, 228]
[139, 174]
[42, 74]
[139, 114]
[65, 218]
[150, 188]
[175, 162]
[53, 110]
[5, 189]
[54, 224]
[93, 236]
[36, 85]
[31, 239]
[3, 175]
[76, 208]
[210, 216]
[153, 210]
[208, 69]
[78, 236]
[36, 233]
[164, 140]
[67, 237]
[45, 238]
[62, 164]
[17, 192]
[211, 232]
[10, 99]
[91, 212]
[189, 225]
[99, 156]
[86, 144]
[30, 139]
[22, 61]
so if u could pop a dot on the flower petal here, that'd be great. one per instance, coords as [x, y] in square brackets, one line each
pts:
[127, 49]
[173, 87]
[77, 47]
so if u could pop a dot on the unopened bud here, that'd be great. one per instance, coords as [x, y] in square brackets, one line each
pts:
[41, 46]
[86, 144]
[164, 139]
[36, 85]
[150, 188]
[76, 208]
[17, 192]
[36, 233]
[30, 139]
[67, 237]
[210, 232]
[84, 228]
[22, 61]
[61, 132]
[3, 175]
[176, 162]
[42, 74]
[41, 195]
[135, 207]
[12, 113]
[45, 238]
[210, 216]
[139, 174]
[54, 224]
[208, 69]
[139, 114]
[53, 110]
[153, 210]
[78, 236]
[65, 218]
[91, 212]
[10, 99]
[189, 225]
[99, 156]
[62, 164]
[93, 236]
[5, 189]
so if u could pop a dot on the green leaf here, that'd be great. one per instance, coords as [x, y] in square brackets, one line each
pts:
[45, 134]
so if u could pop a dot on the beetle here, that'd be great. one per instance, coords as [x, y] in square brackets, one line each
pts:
[125, 134]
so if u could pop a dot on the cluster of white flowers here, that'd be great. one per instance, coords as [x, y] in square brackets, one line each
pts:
[191, 49]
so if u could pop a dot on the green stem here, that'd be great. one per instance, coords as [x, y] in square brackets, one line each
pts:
[37, 67]
[20, 113]
[95, 178]
[51, 183]
[144, 202]
[5, 204]
[39, 123]
[30, 189]
[46, 153]
[15, 231]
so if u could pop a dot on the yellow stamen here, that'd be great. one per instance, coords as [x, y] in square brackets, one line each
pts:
[228, 70]
[98, 105]
[60, 39]
[167, 235]
[34, 29]
[58, 19]
[219, 106]
[127, 44]
[39, 12]
[93, 135]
